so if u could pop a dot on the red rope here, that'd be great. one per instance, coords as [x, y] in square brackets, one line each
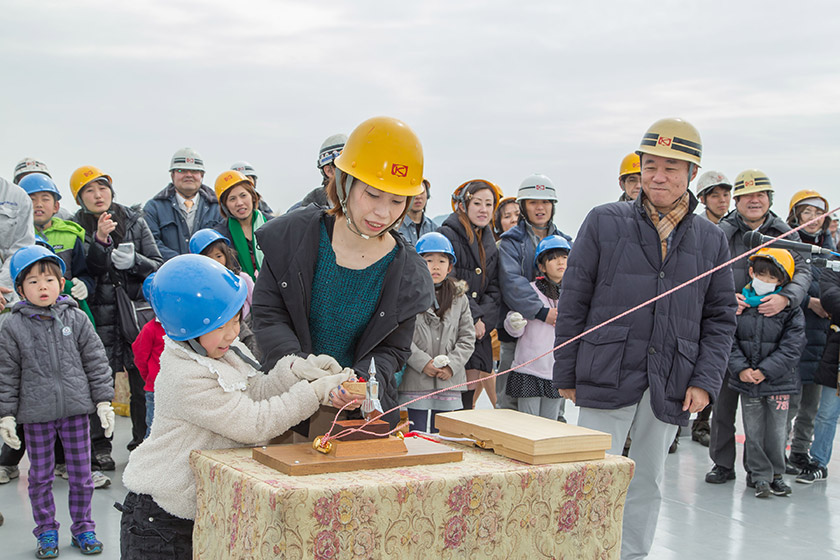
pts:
[327, 437]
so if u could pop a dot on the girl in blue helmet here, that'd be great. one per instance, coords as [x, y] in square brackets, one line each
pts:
[444, 339]
[208, 395]
[530, 384]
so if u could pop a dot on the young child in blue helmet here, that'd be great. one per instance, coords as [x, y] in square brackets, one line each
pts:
[54, 373]
[530, 384]
[208, 395]
[444, 339]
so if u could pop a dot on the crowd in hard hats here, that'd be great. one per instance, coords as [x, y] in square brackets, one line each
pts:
[236, 323]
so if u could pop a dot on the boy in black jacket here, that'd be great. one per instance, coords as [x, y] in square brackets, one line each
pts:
[762, 367]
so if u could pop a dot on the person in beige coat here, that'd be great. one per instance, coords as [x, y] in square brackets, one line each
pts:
[444, 339]
[208, 395]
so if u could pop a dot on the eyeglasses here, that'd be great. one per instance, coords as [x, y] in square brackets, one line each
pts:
[191, 171]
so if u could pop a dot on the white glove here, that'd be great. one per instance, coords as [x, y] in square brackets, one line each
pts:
[79, 289]
[517, 321]
[123, 256]
[441, 361]
[106, 416]
[8, 431]
[324, 386]
[315, 367]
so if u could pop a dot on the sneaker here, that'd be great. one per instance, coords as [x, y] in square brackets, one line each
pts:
[799, 460]
[100, 479]
[762, 489]
[720, 475]
[47, 545]
[87, 543]
[790, 468]
[779, 487]
[702, 437]
[61, 471]
[102, 461]
[812, 473]
[8, 473]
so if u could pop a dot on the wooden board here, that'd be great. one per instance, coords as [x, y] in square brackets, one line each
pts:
[301, 459]
[524, 437]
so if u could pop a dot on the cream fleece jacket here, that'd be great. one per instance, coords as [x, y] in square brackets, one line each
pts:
[205, 403]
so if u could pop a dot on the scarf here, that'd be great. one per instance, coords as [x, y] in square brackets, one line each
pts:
[753, 299]
[666, 224]
[243, 247]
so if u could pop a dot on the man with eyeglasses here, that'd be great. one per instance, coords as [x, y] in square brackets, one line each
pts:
[183, 207]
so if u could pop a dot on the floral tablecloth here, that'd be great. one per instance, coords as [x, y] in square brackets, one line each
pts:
[485, 506]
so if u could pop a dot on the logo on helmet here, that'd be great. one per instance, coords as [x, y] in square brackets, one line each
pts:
[189, 160]
[749, 183]
[539, 187]
[399, 170]
[664, 141]
[228, 177]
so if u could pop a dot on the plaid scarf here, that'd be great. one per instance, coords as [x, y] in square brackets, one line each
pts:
[666, 224]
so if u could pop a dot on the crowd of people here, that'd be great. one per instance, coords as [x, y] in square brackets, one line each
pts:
[237, 324]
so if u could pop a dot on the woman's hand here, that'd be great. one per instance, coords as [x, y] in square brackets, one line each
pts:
[104, 227]
[815, 305]
[480, 329]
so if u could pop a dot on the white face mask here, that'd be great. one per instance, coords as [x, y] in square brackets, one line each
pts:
[763, 288]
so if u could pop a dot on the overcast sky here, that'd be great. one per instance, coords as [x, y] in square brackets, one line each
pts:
[494, 89]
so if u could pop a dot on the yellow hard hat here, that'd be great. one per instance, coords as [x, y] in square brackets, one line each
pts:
[456, 195]
[751, 181]
[230, 179]
[672, 138]
[386, 154]
[803, 195]
[780, 257]
[629, 165]
[84, 175]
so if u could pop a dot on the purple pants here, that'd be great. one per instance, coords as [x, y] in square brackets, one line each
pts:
[74, 433]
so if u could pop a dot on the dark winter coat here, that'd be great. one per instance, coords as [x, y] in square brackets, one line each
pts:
[772, 345]
[482, 284]
[168, 224]
[681, 340]
[517, 271]
[734, 228]
[103, 301]
[827, 371]
[283, 290]
[816, 327]
[52, 364]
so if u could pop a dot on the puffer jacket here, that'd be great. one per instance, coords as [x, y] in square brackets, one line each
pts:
[67, 239]
[103, 301]
[167, 222]
[452, 336]
[772, 345]
[283, 290]
[679, 341]
[517, 271]
[827, 371]
[205, 403]
[816, 327]
[734, 228]
[52, 364]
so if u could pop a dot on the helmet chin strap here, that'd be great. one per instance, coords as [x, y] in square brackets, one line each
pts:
[343, 184]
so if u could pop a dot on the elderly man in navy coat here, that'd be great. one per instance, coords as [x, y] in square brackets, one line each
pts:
[645, 373]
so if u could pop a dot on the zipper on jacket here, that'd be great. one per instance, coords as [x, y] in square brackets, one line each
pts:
[54, 366]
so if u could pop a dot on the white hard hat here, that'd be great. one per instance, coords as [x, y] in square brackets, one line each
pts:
[536, 187]
[30, 165]
[330, 149]
[710, 180]
[186, 158]
[245, 168]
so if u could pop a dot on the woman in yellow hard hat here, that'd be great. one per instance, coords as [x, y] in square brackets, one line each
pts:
[506, 216]
[343, 282]
[121, 253]
[239, 205]
[805, 205]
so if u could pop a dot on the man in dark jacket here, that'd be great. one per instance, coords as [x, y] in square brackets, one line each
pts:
[645, 373]
[183, 207]
[753, 195]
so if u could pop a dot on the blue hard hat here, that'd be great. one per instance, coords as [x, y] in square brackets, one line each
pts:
[38, 182]
[147, 287]
[42, 241]
[202, 239]
[551, 242]
[193, 295]
[27, 256]
[434, 242]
